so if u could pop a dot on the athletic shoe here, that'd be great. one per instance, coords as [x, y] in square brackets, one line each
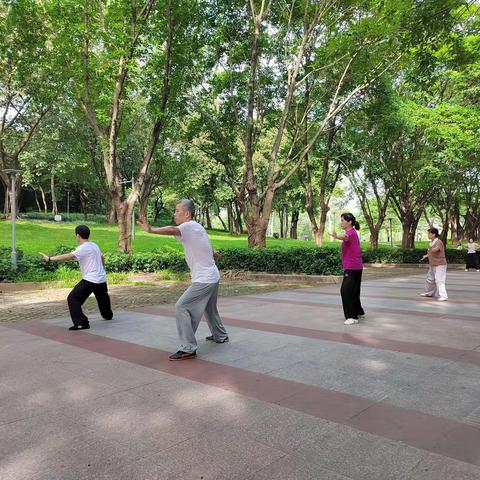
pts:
[442, 299]
[350, 321]
[361, 316]
[467, 270]
[182, 355]
[84, 326]
[477, 270]
[211, 339]
[425, 295]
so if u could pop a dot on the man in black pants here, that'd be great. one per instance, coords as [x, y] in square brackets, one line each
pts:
[94, 279]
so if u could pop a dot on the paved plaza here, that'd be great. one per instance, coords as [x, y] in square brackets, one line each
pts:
[294, 395]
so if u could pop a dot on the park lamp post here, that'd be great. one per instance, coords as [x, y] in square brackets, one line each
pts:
[12, 173]
[132, 181]
[391, 238]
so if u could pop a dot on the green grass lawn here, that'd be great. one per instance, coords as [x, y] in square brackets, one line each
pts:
[34, 236]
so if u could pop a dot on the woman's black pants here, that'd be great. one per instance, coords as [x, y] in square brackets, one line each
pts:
[350, 292]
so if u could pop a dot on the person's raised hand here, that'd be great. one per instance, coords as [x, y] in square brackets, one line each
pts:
[333, 234]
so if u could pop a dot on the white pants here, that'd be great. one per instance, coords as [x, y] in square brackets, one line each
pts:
[435, 281]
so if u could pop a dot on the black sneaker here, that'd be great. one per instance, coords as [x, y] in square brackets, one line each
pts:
[211, 339]
[84, 326]
[182, 355]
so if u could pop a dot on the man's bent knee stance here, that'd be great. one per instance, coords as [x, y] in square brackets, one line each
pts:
[201, 296]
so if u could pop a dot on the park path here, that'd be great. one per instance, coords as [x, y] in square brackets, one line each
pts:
[294, 395]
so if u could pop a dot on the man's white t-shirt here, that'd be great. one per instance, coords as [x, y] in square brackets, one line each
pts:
[89, 258]
[198, 253]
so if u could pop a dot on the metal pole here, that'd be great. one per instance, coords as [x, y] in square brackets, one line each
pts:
[68, 203]
[13, 202]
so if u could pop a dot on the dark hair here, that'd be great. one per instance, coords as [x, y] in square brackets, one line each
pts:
[83, 231]
[350, 218]
[189, 205]
[434, 231]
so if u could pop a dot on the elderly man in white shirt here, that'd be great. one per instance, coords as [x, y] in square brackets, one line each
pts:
[94, 279]
[201, 296]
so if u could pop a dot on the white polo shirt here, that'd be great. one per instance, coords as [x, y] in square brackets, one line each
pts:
[198, 253]
[89, 258]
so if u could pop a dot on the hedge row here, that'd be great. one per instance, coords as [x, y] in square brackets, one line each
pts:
[310, 261]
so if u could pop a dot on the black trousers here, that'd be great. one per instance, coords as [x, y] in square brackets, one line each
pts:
[350, 292]
[79, 295]
[472, 261]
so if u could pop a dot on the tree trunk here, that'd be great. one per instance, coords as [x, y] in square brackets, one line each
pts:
[409, 226]
[83, 203]
[124, 212]
[6, 203]
[36, 200]
[44, 201]
[230, 220]
[294, 224]
[321, 226]
[238, 224]
[280, 216]
[54, 197]
[257, 223]
[208, 218]
[7, 207]
[374, 234]
[257, 234]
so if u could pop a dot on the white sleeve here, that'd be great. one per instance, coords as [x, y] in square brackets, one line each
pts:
[78, 252]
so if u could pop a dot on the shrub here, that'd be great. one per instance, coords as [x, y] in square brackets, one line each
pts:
[407, 255]
[312, 261]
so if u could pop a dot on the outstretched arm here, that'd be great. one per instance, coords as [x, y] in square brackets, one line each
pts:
[57, 258]
[342, 236]
[175, 231]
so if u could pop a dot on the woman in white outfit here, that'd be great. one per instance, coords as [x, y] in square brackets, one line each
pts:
[437, 273]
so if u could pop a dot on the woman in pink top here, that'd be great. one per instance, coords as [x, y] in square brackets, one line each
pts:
[352, 265]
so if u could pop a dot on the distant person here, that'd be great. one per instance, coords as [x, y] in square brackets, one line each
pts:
[437, 272]
[352, 265]
[472, 256]
[94, 279]
[201, 296]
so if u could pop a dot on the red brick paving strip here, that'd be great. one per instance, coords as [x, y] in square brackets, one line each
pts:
[449, 316]
[390, 297]
[425, 349]
[429, 432]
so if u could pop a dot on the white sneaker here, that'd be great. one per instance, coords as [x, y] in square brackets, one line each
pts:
[425, 294]
[443, 299]
[361, 316]
[478, 270]
[467, 270]
[350, 321]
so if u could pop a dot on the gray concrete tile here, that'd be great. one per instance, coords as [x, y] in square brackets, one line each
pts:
[455, 404]
[294, 468]
[217, 455]
[143, 469]
[437, 467]
[360, 455]
[58, 458]
[287, 429]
